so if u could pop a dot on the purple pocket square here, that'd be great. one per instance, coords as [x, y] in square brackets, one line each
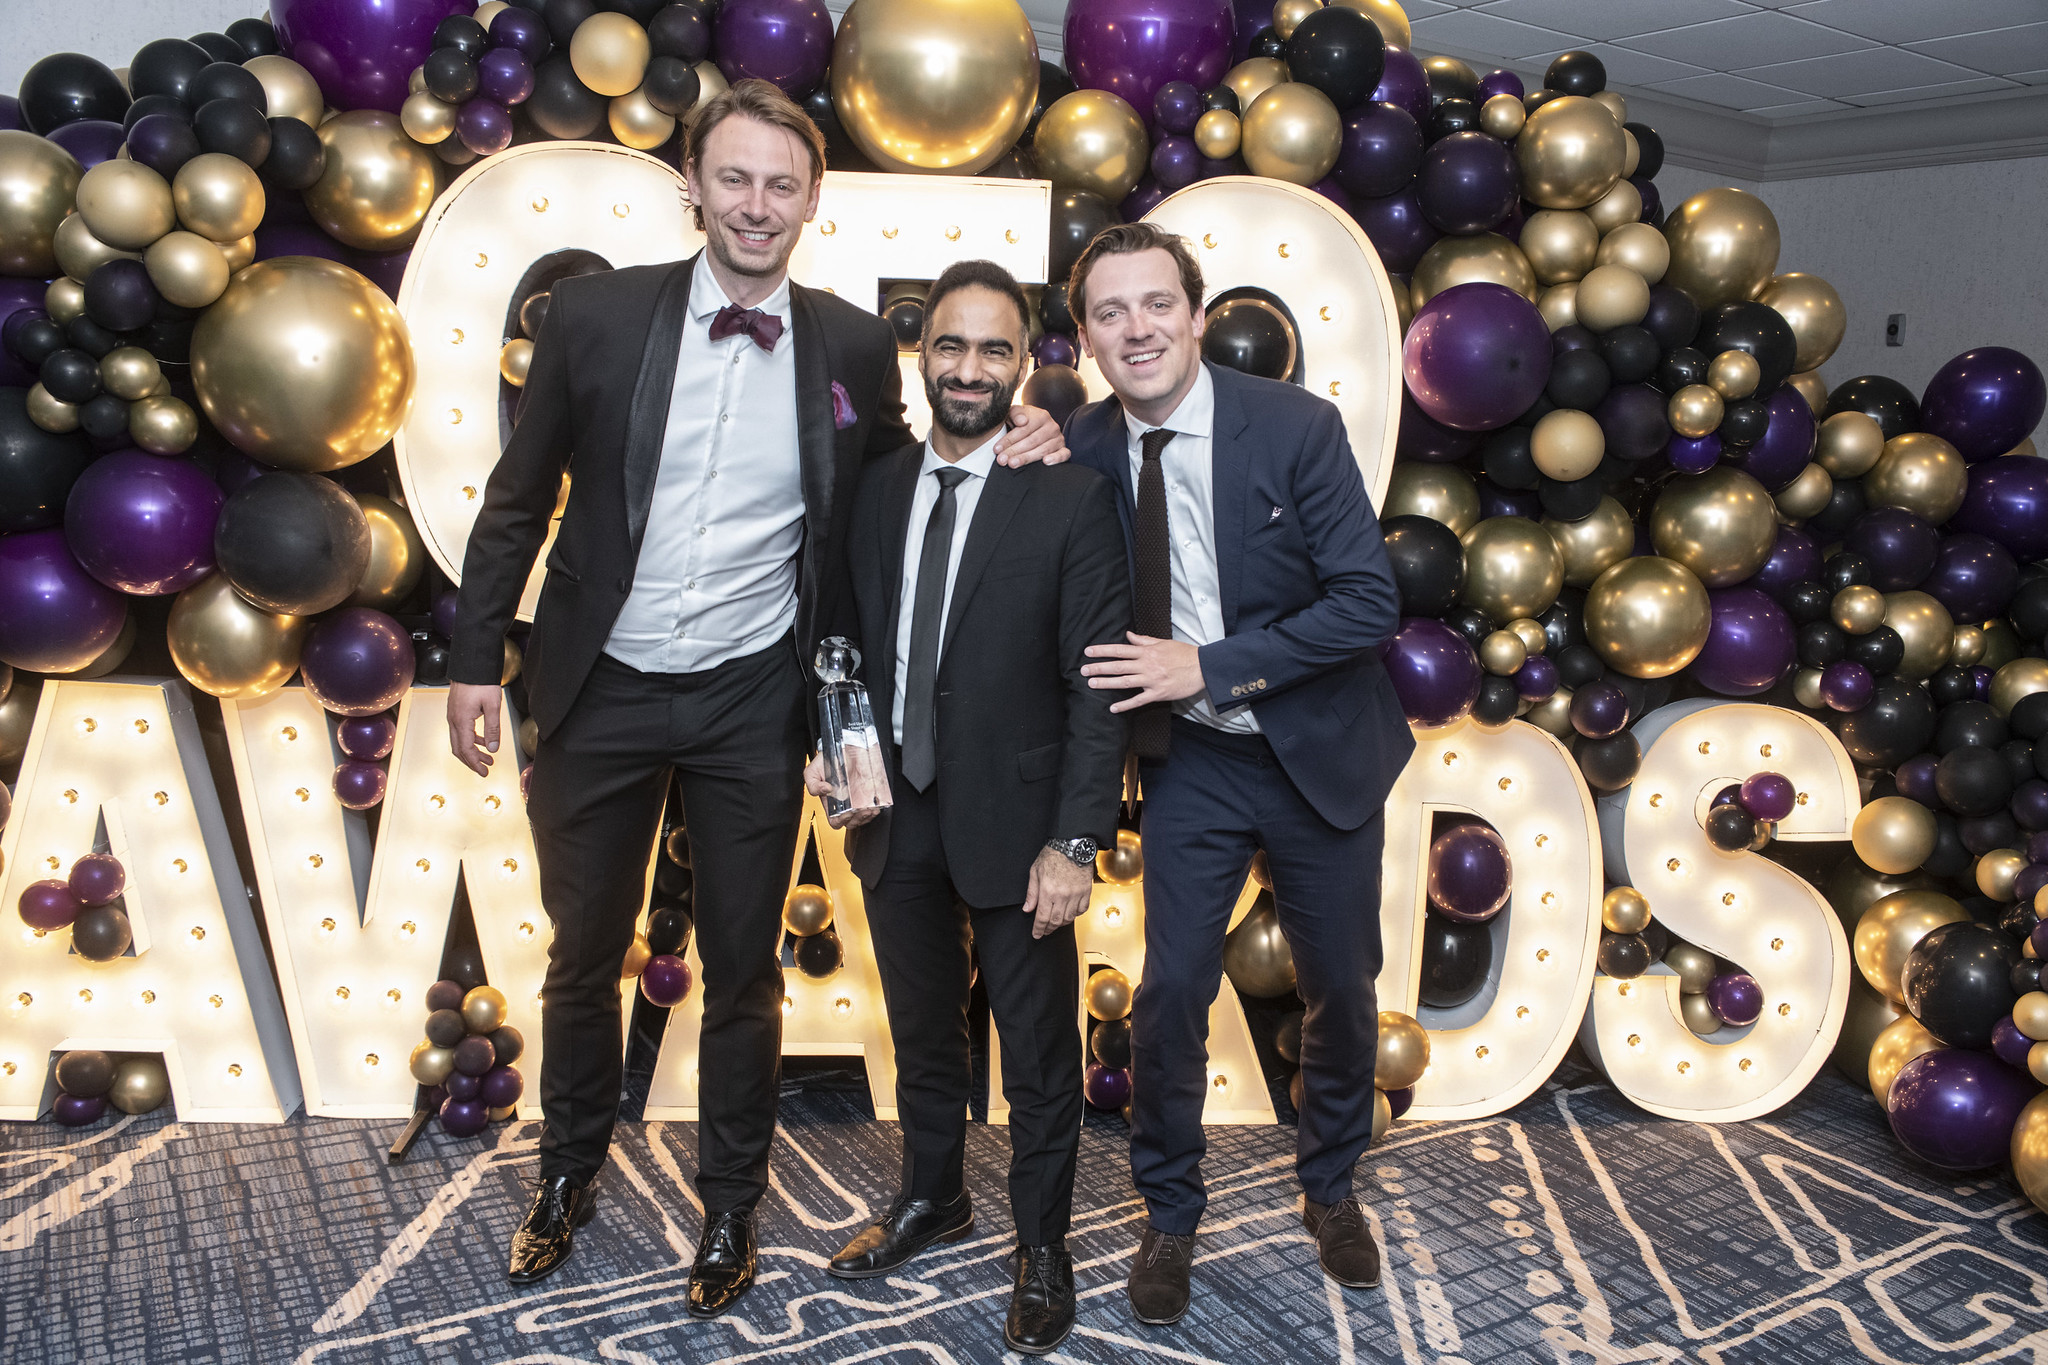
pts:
[842, 407]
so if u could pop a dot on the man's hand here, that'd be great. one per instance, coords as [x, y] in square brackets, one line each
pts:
[1059, 892]
[816, 784]
[1161, 670]
[1033, 437]
[467, 702]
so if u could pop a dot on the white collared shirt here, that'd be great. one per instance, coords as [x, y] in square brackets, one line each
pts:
[966, 497]
[717, 574]
[1191, 534]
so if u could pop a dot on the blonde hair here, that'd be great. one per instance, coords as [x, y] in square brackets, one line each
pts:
[763, 102]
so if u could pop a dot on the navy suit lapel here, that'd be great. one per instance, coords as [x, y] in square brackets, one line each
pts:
[653, 390]
[1230, 458]
[992, 513]
[815, 430]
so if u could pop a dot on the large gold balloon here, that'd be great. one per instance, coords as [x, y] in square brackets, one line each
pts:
[1624, 910]
[79, 253]
[397, 555]
[1529, 631]
[1561, 244]
[1614, 103]
[1815, 311]
[1387, 16]
[218, 197]
[51, 414]
[1899, 1043]
[1894, 834]
[636, 123]
[1292, 132]
[1848, 444]
[1891, 926]
[1255, 954]
[934, 85]
[1288, 14]
[1697, 1013]
[227, 648]
[1123, 864]
[1619, 206]
[1091, 140]
[187, 269]
[331, 397]
[1807, 495]
[1869, 1014]
[126, 204]
[1720, 524]
[426, 120]
[1638, 246]
[1926, 627]
[807, 910]
[609, 54]
[2017, 679]
[2030, 1151]
[1502, 116]
[1440, 492]
[1612, 296]
[140, 1085]
[1694, 410]
[2030, 1015]
[1570, 153]
[1724, 244]
[379, 183]
[1218, 134]
[1403, 1052]
[1108, 994]
[1253, 77]
[38, 183]
[1648, 616]
[289, 89]
[1921, 473]
[1512, 568]
[1594, 543]
[483, 1009]
[1462, 260]
[1567, 444]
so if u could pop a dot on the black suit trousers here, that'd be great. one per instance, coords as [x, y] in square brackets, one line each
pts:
[922, 935]
[735, 737]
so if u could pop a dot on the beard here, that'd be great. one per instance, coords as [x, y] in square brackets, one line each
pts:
[970, 412]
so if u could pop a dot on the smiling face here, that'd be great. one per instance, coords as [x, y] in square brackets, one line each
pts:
[1142, 331]
[752, 182]
[973, 361]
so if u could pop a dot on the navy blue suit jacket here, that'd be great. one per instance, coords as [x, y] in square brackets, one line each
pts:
[1308, 594]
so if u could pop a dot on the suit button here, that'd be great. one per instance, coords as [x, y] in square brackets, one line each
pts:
[624, 584]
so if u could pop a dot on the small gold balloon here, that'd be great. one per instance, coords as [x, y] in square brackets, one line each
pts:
[1806, 689]
[51, 414]
[1926, 627]
[1638, 246]
[1462, 260]
[162, 425]
[64, 300]
[1996, 872]
[1502, 652]
[1695, 966]
[1254, 77]
[414, 83]
[2030, 1149]
[431, 1065]
[807, 910]
[1888, 929]
[1815, 311]
[218, 196]
[1530, 632]
[1734, 374]
[1387, 16]
[38, 185]
[1567, 444]
[1901, 1041]
[1806, 495]
[79, 253]
[636, 123]
[1611, 296]
[1123, 863]
[288, 88]
[378, 183]
[1613, 102]
[489, 10]
[1440, 492]
[1694, 410]
[1559, 305]
[140, 1085]
[126, 204]
[1698, 1015]
[1108, 994]
[1647, 616]
[240, 253]
[711, 82]
[1256, 956]
[1810, 386]
[1502, 116]
[1966, 646]
[1619, 206]
[227, 648]
[1624, 910]
[426, 120]
[609, 53]
[1921, 473]
[515, 360]
[397, 555]
[1218, 134]
[1848, 444]
[1894, 834]
[187, 269]
[1288, 14]
[1403, 1052]
[2018, 679]
[1858, 609]
[1561, 244]
[1292, 132]
[2030, 1015]
[637, 955]
[1720, 524]
[1553, 714]
[483, 1009]
[1092, 140]
[1382, 1115]
[1512, 568]
[1868, 1015]
[529, 731]
[1570, 153]
[129, 372]
[1724, 245]
[1595, 542]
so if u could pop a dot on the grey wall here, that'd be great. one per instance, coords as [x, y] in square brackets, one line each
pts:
[110, 30]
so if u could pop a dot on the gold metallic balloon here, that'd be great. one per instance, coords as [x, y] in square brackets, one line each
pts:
[2020, 678]
[1638, 246]
[1612, 296]
[379, 183]
[637, 955]
[1262, 870]
[1255, 954]
[64, 300]
[1647, 616]
[162, 425]
[636, 123]
[711, 82]
[529, 731]
[126, 204]
[1253, 77]
[1815, 312]
[1810, 386]
[1502, 116]
[515, 360]
[241, 252]
[1619, 206]
[1858, 609]
[334, 395]
[1387, 16]
[1613, 102]
[79, 253]
[1561, 244]
[129, 372]
[1624, 910]
[1403, 1052]
[1440, 492]
[1218, 134]
[1694, 410]
[1967, 646]
[1926, 627]
[1996, 872]
[1698, 1015]
[1554, 713]
[1894, 834]
[17, 718]
[1920, 473]
[140, 1084]
[397, 555]
[1292, 132]
[1806, 689]
[1695, 966]
[1891, 926]
[1288, 14]
[1559, 305]
[288, 88]
[609, 53]
[218, 197]
[1092, 140]
[228, 648]
[49, 413]
[1869, 1014]
[1449, 71]
[1382, 1115]
[1853, 888]
[1123, 864]
[2030, 1149]
[1720, 524]
[187, 269]
[38, 184]
[431, 1065]
[1567, 444]
[426, 120]
[1462, 260]
[1724, 244]
[1594, 543]
[1529, 631]
[1806, 495]
[1631, 155]
[483, 1009]
[807, 910]
[1848, 444]
[1734, 374]
[1512, 568]
[1502, 652]
[1108, 994]
[1901, 1041]
[1570, 153]
[2030, 1015]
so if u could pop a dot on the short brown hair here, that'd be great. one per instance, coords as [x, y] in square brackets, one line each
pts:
[763, 102]
[1124, 239]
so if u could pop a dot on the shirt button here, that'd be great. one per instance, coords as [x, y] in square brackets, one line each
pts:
[692, 585]
[714, 473]
[725, 417]
[702, 529]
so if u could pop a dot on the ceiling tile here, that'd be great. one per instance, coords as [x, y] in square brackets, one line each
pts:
[1999, 51]
[2031, 77]
[1730, 92]
[1912, 21]
[1606, 20]
[1932, 92]
[1799, 110]
[1474, 32]
[1747, 40]
[1859, 73]
[1625, 67]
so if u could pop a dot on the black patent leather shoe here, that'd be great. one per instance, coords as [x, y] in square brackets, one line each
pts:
[725, 1263]
[908, 1228]
[544, 1240]
[1159, 1286]
[1042, 1301]
[1344, 1242]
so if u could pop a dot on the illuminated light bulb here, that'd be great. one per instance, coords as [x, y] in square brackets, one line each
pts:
[7, 1067]
[1521, 1011]
[1549, 898]
[1656, 798]
[788, 1004]
[198, 933]
[455, 336]
[1506, 784]
[526, 929]
[141, 727]
[85, 997]
[1220, 1083]
[1336, 388]
[511, 866]
[437, 801]
[492, 803]
[423, 865]
[234, 1071]
[1777, 945]
[1727, 898]
[1622, 989]
[537, 1001]
[288, 733]
[1684, 1067]
[1784, 1011]
[1283, 251]
[621, 210]
[1674, 865]
[842, 1006]
[1010, 236]
[302, 793]
[54, 861]
[394, 995]
[1799, 800]
[1744, 1064]
[1763, 751]
[161, 798]
[540, 203]
[1324, 313]
[31, 935]
[1635, 1040]
[1542, 839]
[827, 228]
[341, 995]
[1706, 746]
[24, 1000]
[1543, 954]
[952, 234]
[87, 725]
[889, 233]
[327, 926]
[1113, 915]
[147, 997]
[71, 796]
[482, 260]
[455, 417]
[369, 1061]
[1482, 1052]
[469, 492]
[1209, 240]
[215, 1001]
[408, 928]
[180, 866]
[1451, 759]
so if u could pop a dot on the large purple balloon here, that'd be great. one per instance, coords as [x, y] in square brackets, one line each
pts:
[1404, 83]
[1132, 47]
[358, 662]
[1794, 559]
[91, 140]
[1499, 81]
[1984, 402]
[1787, 444]
[787, 42]
[1469, 873]
[1434, 669]
[1750, 646]
[362, 52]
[1973, 576]
[1477, 355]
[142, 524]
[1467, 182]
[1382, 150]
[54, 616]
[1956, 1108]
[1901, 547]
[2007, 500]
[1397, 226]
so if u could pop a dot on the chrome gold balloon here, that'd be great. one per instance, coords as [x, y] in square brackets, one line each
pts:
[2030, 1015]
[1612, 296]
[129, 372]
[1853, 888]
[1694, 410]
[1848, 444]
[635, 961]
[1869, 1014]
[1594, 543]
[515, 360]
[1561, 244]
[483, 1009]
[162, 424]
[711, 82]
[609, 53]
[1624, 910]
[1614, 103]
[1292, 132]
[1724, 245]
[38, 184]
[1288, 14]
[1894, 834]
[1218, 134]
[1512, 568]
[289, 89]
[64, 300]
[1901, 1041]
[1695, 967]
[1124, 864]
[1502, 652]
[187, 269]
[1806, 689]
[1529, 631]
[1567, 444]
[1921, 473]
[430, 1065]
[426, 120]
[126, 204]
[1253, 77]
[1621, 205]
[1889, 928]
[1502, 116]
[1967, 648]
[1698, 1015]
[1858, 609]
[1996, 872]
[1403, 1052]
[49, 413]
[1810, 386]
[1462, 260]
[1734, 374]
[636, 123]
[1108, 994]
[1091, 140]
[1387, 16]
[217, 196]
[1441, 492]
[1647, 616]
[141, 1084]
[397, 555]
[2016, 680]
[1638, 246]
[1806, 495]
[379, 183]
[240, 253]
[1570, 153]
[1256, 955]
[1631, 155]
[1558, 305]
[79, 253]
[1815, 312]
[807, 910]
[1554, 713]
[1926, 627]
[1720, 524]
[2030, 1149]
[228, 648]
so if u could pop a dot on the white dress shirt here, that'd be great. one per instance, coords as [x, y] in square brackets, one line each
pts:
[966, 497]
[716, 577]
[1191, 536]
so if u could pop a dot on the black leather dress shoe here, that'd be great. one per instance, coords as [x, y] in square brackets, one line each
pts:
[1158, 1285]
[725, 1263]
[543, 1241]
[1042, 1302]
[908, 1228]
[1344, 1242]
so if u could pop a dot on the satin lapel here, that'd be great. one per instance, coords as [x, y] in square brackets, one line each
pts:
[999, 502]
[647, 417]
[1230, 458]
[815, 431]
[894, 519]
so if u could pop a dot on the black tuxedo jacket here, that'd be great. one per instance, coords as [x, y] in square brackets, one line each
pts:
[1027, 751]
[596, 403]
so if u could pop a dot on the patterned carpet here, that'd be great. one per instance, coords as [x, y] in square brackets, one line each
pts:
[1575, 1228]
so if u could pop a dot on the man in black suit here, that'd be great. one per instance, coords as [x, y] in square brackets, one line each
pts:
[976, 591]
[718, 416]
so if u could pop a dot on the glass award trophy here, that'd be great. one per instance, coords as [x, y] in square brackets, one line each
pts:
[848, 742]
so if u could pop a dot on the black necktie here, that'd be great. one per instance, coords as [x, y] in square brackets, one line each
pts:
[920, 715]
[1153, 615]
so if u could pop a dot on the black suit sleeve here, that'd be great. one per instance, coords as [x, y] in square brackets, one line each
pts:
[889, 431]
[1095, 608]
[519, 500]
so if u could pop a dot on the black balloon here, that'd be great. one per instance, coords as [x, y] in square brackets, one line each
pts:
[163, 142]
[1807, 602]
[1951, 858]
[566, 16]
[105, 420]
[668, 927]
[1338, 51]
[451, 74]
[1730, 828]
[220, 47]
[2029, 716]
[1681, 367]
[1898, 723]
[1455, 960]
[1267, 43]
[1846, 569]
[155, 104]
[1958, 982]
[2026, 975]
[120, 297]
[1973, 782]
[68, 86]
[1220, 97]
[1450, 80]
[533, 313]
[1452, 115]
[226, 81]
[561, 105]
[1428, 562]
[1756, 328]
[1982, 834]
[1878, 650]
[1472, 623]
[819, 954]
[1110, 1043]
[1649, 150]
[1574, 337]
[1673, 318]
[1630, 352]
[166, 67]
[1057, 389]
[461, 33]
[1579, 379]
[1845, 505]
[680, 31]
[1970, 722]
[1950, 684]
[1252, 336]
[37, 467]
[231, 126]
[1569, 500]
[1608, 764]
[71, 376]
[1536, 99]
[35, 339]
[1744, 422]
[1506, 455]
[1564, 624]
[1054, 84]
[1077, 216]
[1052, 310]
[1575, 73]
[672, 86]
[1624, 956]
[1820, 643]
[101, 933]
[1889, 402]
[255, 37]
[1497, 702]
[429, 661]
[297, 156]
[905, 317]
[292, 543]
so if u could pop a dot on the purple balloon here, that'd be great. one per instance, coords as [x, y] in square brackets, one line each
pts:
[2037, 849]
[1382, 151]
[10, 114]
[1334, 192]
[1175, 162]
[1735, 998]
[1055, 348]
[1653, 202]
[2007, 500]
[1132, 47]
[464, 1118]
[1476, 356]
[97, 878]
[1599, 709]
[461, 1086]
[1846, 685]
[358, 784]
[1973, 576]
[787, 42]
[502, 1085]
[1768, 796]
[665, 980]
[1980, 682]
[2009, 1045]
[1469, 873]
[2029, 809]
[1422, 437]
[1495, 501]
[1984, 402]
[1956, 1109]
[366, 737]
[1751, 646]
[474, 1055]
[1176, 107]
[525, 32]
[163, 142]
[384, 269]
[1399, 230]
[362, 52]
[357, 662]
[1915, 779]
[1107, 1087]
[48, 904]
[1434, 669]
[1794, 559]
[142, 524]
[54, 616]
[503, 74]
[1403, 83]
[1143, 198]
[1694, 454]
[1901, 547]
[1467, 183]
[1536, 679]
[443, 612]
[1499, 81]
[484, 126]
[91, 140]
[1787, 444]
[2038, 939]
[76, 1111]
[1632, 418]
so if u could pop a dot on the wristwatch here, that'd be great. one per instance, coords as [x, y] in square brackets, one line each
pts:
[1080, 852]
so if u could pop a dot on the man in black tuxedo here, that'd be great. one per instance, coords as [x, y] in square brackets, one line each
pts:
[976, 591]
[716, 416]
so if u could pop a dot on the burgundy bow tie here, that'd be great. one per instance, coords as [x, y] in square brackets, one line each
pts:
[764, 328]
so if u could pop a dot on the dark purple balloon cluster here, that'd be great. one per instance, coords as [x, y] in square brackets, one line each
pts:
[472, 1050]
[88, 902]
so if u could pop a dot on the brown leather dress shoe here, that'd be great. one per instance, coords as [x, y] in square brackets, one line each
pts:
[544, 1240]
[1344, 1242]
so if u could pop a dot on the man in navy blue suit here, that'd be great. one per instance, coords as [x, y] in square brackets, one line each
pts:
[1261, 719]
